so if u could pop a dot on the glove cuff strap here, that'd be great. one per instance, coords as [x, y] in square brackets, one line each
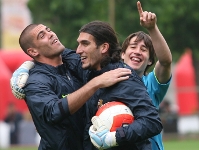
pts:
[111, 139]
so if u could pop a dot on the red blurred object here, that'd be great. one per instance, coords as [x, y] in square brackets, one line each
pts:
[186, 85]
[9, 62]
[13, 59]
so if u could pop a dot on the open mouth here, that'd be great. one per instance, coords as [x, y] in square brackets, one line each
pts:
[135, 59]
[83, 58]
[54, 41]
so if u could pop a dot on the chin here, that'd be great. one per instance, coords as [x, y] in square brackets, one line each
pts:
[85, 67]
[89, 67]
[61, 49]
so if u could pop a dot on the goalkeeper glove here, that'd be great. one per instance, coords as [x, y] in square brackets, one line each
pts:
[100, 136]
[19, 79]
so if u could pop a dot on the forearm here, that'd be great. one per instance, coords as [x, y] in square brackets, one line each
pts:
[77, 99]
[162, 51]
[160, 45]
[142, 129]
[147, 122]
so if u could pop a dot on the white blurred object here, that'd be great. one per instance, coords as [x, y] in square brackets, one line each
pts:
[37, 139]
[4, 135]
[188, 124]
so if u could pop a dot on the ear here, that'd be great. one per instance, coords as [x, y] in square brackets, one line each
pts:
[32, 52]
[104, 48]
[149, 63]
[122, 55]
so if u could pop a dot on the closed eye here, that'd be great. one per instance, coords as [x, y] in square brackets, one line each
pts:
[41, 35]
[133, 47]
[85, 43]
[143, 48]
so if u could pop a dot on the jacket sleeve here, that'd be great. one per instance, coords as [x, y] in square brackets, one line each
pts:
[73, 62]
[42, 100]
[147, 123]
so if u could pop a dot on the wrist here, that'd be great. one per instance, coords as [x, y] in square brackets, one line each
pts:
[110, 139]
[27, 65]
[95, 83]
[153, 29]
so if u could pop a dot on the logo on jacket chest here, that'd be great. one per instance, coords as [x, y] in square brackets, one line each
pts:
[100, 103]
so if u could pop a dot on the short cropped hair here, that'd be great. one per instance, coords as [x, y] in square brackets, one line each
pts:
[25, 39]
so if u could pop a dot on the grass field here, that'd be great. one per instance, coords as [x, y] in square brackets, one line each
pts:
[168, 144]
[182, 145]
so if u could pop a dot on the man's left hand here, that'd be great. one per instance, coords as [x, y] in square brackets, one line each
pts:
[100, 136]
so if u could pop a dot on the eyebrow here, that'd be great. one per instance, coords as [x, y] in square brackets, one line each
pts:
[136, 43]
[84, 41]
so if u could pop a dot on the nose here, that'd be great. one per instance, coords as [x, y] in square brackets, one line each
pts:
[50, 34]
[137, 51]
[79, 49]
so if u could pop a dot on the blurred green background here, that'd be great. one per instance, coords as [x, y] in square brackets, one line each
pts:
[177, 20]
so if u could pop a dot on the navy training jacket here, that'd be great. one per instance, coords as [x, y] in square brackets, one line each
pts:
[46, 91]
[133, 93]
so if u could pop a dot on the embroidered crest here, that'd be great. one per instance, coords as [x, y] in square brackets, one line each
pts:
[100, 103]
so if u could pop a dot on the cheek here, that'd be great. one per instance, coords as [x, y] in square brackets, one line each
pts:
[147, 56]
[126, 59]
[96, 55]
[147, 60]
[128, 52]
[126, 55]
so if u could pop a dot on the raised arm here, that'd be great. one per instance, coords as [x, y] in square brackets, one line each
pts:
[163, 66]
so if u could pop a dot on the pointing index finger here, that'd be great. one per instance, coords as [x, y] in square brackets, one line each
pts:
[139, 8]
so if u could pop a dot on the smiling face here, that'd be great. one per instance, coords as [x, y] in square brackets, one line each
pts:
[137, 55]
[91, 54]
[46, 43]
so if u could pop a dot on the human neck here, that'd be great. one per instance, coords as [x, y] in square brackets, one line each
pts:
[140, 73]
[51, 61]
